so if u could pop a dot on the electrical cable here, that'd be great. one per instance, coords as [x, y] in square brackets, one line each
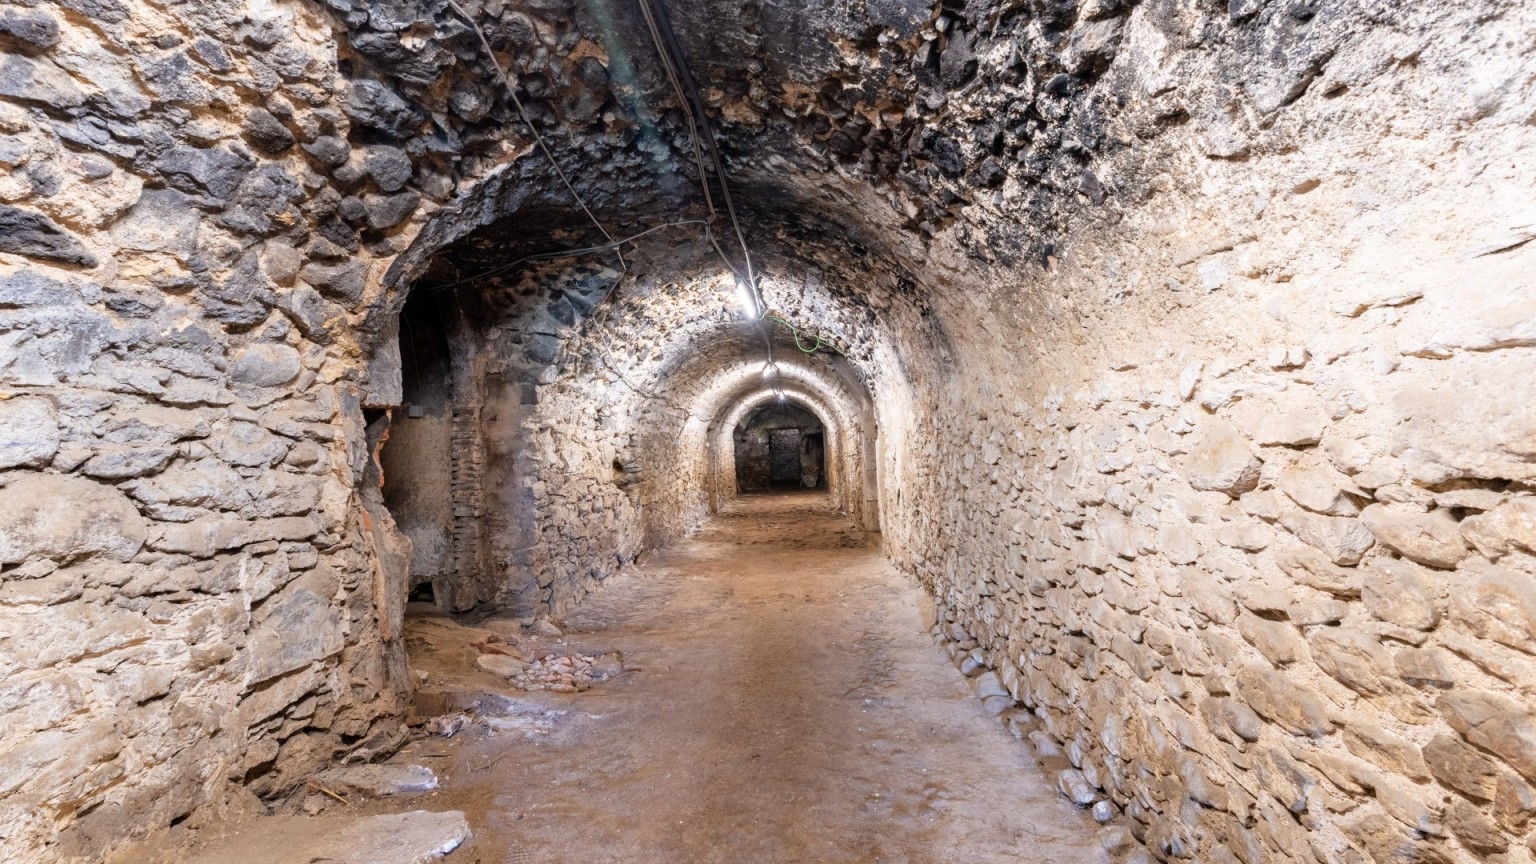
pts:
[682, 101]
[664, 39]
[795, 331]
[564, 253]
[506, 81]
[696, 105]
[672, 56]
[410, 335]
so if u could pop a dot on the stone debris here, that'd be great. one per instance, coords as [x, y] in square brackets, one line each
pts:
[544, 627]
[501, 665]
[530, 722]
[446, 725]
[563, 673]
[510, 656]
[378, 781]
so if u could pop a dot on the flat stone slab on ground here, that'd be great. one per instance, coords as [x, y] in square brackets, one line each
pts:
[417, 837]
[379, 781]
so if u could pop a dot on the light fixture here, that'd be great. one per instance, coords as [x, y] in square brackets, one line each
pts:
[744, 292]
[768, 370]
[780, 392]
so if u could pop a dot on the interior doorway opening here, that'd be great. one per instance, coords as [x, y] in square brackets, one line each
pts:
[780, 446]
[417, 458]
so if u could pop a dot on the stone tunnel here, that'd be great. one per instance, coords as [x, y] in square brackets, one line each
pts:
[1179, 355]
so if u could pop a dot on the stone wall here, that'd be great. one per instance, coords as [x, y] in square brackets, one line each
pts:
[197, 208]
[190, 577]
[1248, 535]
[570, 468]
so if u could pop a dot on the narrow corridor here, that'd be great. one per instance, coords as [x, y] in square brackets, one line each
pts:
[782, 702]
[453, 428]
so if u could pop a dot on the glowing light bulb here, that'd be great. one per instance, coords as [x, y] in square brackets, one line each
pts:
[768, 370]
[744, 292]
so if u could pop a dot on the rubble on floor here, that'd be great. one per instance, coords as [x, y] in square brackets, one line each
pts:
[557, 673]
[532, 658]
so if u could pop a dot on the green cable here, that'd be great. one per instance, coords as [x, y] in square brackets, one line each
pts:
[795, 331]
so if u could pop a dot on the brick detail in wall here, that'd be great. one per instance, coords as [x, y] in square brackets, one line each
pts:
[467, 464]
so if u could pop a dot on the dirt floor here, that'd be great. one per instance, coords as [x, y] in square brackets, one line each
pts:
[781, 702]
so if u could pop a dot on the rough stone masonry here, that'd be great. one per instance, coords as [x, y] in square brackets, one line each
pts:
[1181, 348]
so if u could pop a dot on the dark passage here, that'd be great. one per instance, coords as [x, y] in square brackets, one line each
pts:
[417, 459]
[780, 446]
[784, 457]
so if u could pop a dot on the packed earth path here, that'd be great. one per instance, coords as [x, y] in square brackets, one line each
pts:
[782, 701]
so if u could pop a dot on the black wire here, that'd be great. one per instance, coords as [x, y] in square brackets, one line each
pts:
[682, 101]
[565, 253]
[693, 102]
[669, 36]
[522, 112]
[676, 67]
[410, 335]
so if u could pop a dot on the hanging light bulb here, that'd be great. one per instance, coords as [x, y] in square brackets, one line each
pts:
[768, 370]
[744, 292]
[780, 392]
